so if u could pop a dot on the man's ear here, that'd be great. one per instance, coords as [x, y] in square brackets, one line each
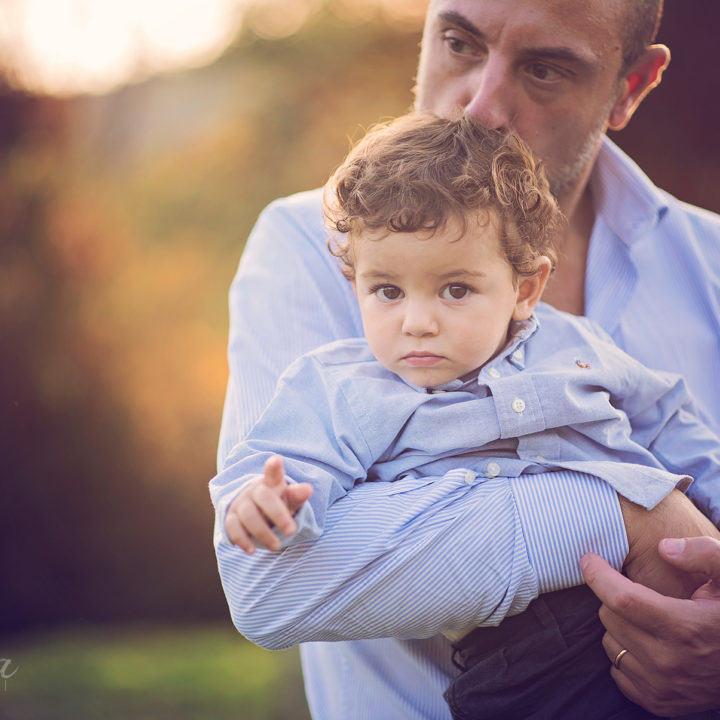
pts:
[642, 76]
[530, 289]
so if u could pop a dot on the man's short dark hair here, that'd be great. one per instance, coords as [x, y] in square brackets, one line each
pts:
[640, 23]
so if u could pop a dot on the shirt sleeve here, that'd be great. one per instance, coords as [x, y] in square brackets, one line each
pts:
[403, 559]
[665, 421]
[306, 405]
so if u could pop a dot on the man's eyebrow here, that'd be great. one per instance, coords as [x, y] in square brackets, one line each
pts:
[455, 18]
[564, 54]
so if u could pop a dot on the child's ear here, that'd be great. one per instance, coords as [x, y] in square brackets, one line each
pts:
[530, 288]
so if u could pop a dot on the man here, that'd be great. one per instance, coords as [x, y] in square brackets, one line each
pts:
[559, 73]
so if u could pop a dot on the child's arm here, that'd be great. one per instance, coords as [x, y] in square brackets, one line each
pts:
[665, 421]
[268, 501]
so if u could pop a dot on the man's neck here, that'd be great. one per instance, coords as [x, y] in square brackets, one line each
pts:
[566, 288]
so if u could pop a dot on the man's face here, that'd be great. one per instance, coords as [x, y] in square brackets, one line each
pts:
[436, 307]
[545, 69]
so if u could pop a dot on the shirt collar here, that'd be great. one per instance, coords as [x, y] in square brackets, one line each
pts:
[513, 352]
[623, 195]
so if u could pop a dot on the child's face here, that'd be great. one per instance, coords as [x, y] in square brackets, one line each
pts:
[436, 308]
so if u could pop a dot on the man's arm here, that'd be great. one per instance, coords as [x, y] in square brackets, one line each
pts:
[411, 558]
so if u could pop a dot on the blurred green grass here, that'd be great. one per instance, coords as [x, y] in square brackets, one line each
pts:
[149, 673]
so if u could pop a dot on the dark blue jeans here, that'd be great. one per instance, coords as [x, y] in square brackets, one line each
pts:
[547, 663]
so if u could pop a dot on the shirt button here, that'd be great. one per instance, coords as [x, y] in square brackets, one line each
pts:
[518, 355]
[493, 470]
[518, 405]
[469, 477]
[436, 391]
[493, 373]
[540, 458]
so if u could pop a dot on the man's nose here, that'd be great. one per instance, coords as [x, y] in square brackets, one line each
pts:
[490, 95]
[419, 320]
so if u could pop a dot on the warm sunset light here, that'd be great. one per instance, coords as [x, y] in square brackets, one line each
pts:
[77, 46]
[66, 46]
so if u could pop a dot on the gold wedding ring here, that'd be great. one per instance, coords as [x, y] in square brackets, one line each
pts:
[618, 658]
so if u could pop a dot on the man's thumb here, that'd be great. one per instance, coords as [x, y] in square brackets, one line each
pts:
[696, 555]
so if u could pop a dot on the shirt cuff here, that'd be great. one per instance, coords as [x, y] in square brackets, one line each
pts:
[564, 515]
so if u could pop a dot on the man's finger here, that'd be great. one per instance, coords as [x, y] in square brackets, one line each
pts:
[697, 555]
[628, 686]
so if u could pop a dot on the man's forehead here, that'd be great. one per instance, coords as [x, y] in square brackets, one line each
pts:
[564, 22]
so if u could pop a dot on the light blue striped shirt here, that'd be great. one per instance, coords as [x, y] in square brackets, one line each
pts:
[446, 549]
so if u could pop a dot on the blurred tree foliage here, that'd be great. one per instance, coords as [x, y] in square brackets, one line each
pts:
[122, 219]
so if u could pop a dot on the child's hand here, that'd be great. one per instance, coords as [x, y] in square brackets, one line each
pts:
[265, 502]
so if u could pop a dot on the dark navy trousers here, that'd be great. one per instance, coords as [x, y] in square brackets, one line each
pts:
[547, 663]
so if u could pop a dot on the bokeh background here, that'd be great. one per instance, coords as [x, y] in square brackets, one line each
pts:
[138, 143]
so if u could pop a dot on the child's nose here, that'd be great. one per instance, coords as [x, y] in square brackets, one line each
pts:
[419, 320]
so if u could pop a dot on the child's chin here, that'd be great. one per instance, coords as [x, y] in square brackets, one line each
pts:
[426, 378]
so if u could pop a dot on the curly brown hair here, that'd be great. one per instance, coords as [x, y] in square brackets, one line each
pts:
[413, 173]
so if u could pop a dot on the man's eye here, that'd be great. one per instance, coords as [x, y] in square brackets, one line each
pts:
[388, 292]
[456, 292]
[457, 45]
[544, 73]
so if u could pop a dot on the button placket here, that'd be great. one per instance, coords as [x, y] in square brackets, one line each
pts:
[517, 405]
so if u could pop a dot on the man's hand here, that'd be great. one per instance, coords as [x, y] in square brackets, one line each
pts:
[672, 666]
[266, 502]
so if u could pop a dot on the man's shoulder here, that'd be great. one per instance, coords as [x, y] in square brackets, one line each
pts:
[292, 228]
[704, 224]
[634, 207]
[302, 208]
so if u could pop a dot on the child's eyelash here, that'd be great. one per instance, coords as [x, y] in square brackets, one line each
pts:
[375, 288]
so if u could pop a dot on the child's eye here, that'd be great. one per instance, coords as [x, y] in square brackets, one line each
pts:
[388, 293]
[456, 292]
